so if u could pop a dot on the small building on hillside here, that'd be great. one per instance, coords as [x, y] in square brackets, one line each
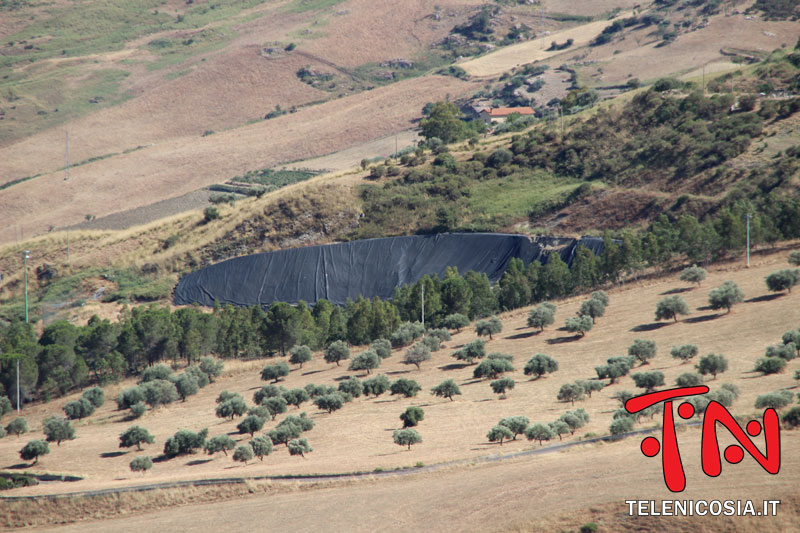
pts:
[500, 114]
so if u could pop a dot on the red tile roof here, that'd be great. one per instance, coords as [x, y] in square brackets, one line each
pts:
[505, 111]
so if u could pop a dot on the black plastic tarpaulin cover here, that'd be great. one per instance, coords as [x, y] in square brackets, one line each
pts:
[372, 267]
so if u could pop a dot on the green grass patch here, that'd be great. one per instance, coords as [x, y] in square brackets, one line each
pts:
[275, 178]
[499, 202]
[301, 6]
[50, 98]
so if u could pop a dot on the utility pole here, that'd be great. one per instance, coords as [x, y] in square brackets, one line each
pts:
[66, 160]
[747, 217]
[704, 80]
[27, 255]
[423, 305]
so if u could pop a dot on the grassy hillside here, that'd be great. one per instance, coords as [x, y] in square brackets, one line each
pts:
[359, 436]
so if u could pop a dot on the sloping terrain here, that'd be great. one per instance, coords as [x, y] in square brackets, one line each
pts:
[358, 437]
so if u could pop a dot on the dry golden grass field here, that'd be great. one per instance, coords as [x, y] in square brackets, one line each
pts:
[539, 492]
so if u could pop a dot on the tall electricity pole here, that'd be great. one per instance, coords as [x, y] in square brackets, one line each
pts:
[747, 217]
[66, 160]
[27, 255]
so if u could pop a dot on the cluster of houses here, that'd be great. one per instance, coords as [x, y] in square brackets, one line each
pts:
[495, 115]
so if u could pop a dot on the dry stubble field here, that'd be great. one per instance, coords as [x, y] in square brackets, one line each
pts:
[565, 485]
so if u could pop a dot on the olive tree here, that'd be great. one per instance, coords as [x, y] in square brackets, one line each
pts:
[517, 424]
[95, 396]
[243, 453]
[615, 368]
[211, 367]
[621, 425]
[541, 316]
[219, 443]
[299, 447]
[275, 372]
[770, 365]
[502, 385]
[575, 419]
[642, 350]
[78, 409]
[296, 397]
[367, 360]
[785, 351]
[579, 324]
[670, 307]
[712, 364]
[382, 347]
[471, 351]
[774, 400]
[684, 352]
[539, 365]
[135, 436]
[794, 258]
[446, 389]
[417, 354]
[689, 379]
[725, 296]
[406, 437]
[185, 441]
[18, 426]
[783, 280]
[376, 386]
[590, 385]
[648, 380]
[33, 450]
[261, 446]
[412, 416]
[250, 424]
[300, 354]
[186, 385]
[231, 408]
[406, 387]
[593, 308]
[488, 327]
[558, 428]
[351, 386]
[336, 352]
[330, 402]
[693, 274]
[159, 392]
[58, 429]
[569, 392]
[791, 418]
[539, 432]
[141, 464]
[492, 368]
[499, 433]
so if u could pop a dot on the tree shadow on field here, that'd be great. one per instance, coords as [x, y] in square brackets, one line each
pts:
[342, 378]
[764, 298]
[523, 335]
[649, 327]
[562, 340]
[385, 401]
[19, 466]
[473, 382]
[704, 318]
[311, 372]
[484, 400]
[454, 366]
[679, 290]
[198, 462]
[161, 458]
[705, 308]
[393, 372]
[107, 455]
